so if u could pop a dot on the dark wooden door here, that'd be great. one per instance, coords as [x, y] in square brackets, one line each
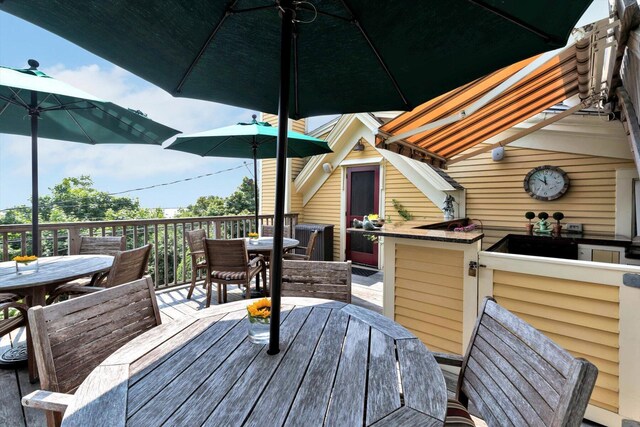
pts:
[363, 184]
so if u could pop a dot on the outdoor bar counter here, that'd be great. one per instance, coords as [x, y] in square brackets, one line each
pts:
[582, 290]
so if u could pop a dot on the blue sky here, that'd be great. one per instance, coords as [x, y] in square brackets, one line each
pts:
[114, 168]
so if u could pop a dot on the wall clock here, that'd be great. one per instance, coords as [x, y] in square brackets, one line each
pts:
[546, 182]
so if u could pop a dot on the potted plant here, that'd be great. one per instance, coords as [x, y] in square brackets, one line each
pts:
[529, 215]
[543, 224]
[253, 238]
[557, 227]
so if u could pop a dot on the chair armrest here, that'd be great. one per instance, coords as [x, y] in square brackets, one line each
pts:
[256, 260]
[47, 400]
[448, 359]
[197, 253]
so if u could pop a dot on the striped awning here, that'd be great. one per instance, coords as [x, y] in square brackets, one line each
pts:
[542, 87]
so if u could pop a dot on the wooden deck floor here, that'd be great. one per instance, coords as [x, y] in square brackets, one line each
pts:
[366, 292]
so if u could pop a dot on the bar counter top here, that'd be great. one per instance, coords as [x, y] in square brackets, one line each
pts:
[408, 230]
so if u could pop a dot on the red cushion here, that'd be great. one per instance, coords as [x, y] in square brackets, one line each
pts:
[457, 415]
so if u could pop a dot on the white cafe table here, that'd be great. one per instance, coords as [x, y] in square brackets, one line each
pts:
[338, 365]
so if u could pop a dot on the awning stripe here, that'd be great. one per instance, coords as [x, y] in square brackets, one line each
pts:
[551, 83]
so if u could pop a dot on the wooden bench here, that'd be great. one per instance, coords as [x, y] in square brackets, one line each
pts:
[317, 279]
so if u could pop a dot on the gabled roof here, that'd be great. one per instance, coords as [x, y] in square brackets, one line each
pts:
[429, 180]
[489, 106]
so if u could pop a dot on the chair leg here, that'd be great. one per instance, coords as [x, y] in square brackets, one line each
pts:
[194, 273]
[224, 287]
[264, 280]
[208, 303]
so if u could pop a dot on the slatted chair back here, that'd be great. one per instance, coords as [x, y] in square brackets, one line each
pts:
[267, 230]
[107, 245]
[72, 337]
[513, 372]
[311, 244]
[128, 266]
[317, 279]
[226, 255]
[194, 240]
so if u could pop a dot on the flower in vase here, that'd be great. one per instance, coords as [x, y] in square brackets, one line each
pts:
[25, 259]
[259, 310]
[252, 235]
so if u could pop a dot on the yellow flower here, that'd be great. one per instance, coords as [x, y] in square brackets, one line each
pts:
[25, 258]
[252, 235]
[373, 217]
[260, 308]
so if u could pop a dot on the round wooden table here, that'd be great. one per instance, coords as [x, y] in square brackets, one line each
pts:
[339, 365]
[52, 271]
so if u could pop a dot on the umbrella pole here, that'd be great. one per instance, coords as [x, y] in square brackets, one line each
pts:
[33, 113]
[255, 180]
[281, 159]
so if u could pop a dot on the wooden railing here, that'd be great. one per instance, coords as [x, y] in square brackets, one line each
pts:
[169, 263]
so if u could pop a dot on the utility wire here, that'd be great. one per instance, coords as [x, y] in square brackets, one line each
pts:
[82, 204]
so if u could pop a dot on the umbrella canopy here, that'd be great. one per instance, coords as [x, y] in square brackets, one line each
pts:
[310, 57]
[60, 111]
[256, 140]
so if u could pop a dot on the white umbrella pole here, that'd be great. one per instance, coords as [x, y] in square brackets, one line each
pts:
[281, 163]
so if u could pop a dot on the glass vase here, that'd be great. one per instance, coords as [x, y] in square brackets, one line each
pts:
[26, 267]
[259, 329]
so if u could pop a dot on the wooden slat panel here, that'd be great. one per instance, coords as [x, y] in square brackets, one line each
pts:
[404, 191]
[383, 396]
[347, 403]
[422, 381]
[580, 317]
[409, 315]
[313, 395]
[252, 382]
[283, 386]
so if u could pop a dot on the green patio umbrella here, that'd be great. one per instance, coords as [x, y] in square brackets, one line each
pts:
[256, 140]
[60, 111]
[311, 57]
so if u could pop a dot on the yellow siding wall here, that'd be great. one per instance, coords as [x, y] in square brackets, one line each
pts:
[495, 193]
[267, 185]
[581, 317]
[324, 208]
[428, 295]
[400, 188]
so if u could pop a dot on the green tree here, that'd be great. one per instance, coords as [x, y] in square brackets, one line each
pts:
[241, 201]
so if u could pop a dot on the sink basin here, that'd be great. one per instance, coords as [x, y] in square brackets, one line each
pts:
[544, 246]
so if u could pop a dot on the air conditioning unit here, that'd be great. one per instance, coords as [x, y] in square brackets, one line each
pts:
[323, 251]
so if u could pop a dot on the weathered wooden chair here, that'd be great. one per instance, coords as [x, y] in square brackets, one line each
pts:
[127, 266]
[317, 279]
[90, 245]
[198, 261]
[514, 375]
[228, 264]
[267, 230]
[71, 338]
[307, 250]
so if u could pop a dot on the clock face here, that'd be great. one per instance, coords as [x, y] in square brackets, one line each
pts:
[546, 183]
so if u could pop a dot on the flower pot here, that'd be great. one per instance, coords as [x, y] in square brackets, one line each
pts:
[529, 228]
[27, 267]
[254, 241]
[259, 329]
[557, 229]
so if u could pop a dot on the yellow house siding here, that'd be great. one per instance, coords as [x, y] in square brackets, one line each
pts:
[368, 153]
[428, 295]
[400, 188]
[496, 196]
[267, 185]
[581, 317]
[324, 208]
[299, 126]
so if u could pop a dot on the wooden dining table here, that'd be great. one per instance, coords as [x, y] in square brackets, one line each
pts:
[34, 286]
[339, 364]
